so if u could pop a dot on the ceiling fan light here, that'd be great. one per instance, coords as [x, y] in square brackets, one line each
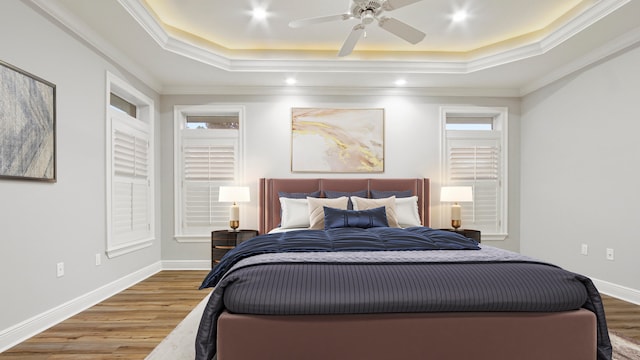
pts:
[259, 13]
[367, 17]
[459, 16]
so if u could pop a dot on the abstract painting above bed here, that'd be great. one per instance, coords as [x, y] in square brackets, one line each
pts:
[337, 140]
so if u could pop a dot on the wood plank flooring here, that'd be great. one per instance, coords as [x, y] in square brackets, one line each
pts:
[131, 324]
[128, 325]
[623, 318]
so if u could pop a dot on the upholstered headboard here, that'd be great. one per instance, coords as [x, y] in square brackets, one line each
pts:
[269, 200]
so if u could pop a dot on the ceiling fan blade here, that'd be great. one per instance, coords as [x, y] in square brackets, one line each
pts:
[318, 20]
[401, 30]
[396, 4]
[351, 40]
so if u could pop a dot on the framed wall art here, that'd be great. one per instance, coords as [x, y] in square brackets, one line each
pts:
[27, 126]
[337, 140]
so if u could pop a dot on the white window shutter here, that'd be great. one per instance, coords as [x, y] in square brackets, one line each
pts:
[130, 168]
[130, 185]
[208, 164]
[476, 163]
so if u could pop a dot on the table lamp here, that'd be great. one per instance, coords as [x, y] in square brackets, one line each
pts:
[234, 194]
[456, 194]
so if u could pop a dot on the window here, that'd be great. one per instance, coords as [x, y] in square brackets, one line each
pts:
[473, 155]
[130, 165]
[207, 156]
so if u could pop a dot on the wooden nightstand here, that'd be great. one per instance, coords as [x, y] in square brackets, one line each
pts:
[471, 234]
[224, 240]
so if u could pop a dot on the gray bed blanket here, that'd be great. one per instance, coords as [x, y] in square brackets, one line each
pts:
[397, 282]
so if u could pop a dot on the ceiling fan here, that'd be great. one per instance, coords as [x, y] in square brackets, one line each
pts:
[367, 11]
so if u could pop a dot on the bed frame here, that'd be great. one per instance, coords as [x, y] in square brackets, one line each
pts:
[569, 335]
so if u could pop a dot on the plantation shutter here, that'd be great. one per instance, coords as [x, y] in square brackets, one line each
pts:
[476, 163]
[207, 165]
[130, 219]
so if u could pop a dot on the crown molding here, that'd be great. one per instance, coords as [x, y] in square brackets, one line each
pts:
[260, 61]
[622, 43]
[84, 33]
[171, 40]
[341, 91]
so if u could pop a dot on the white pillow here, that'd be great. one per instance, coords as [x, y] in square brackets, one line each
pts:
[316, 209]
[407, 211]
[388, 203]
[295, 213]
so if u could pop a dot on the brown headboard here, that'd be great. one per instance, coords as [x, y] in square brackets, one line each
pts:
[269, 201]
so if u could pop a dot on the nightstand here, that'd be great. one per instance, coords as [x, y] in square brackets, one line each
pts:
[471, 234]
[224, 240]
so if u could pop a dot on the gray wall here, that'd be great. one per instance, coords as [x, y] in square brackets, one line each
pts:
[580, 171]
[412, 149]
[42, 224]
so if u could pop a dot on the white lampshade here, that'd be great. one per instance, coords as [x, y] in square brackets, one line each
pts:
[234, 194]
[456, 194]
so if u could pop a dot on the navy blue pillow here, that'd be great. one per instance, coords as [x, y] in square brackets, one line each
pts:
[336, 194]
[337, 218]
[378, 194]
[300, 195]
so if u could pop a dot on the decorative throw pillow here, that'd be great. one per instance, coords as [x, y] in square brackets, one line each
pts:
[336, 194]
[295, 213]
[407, 211]
[315, 213]
[379, 194]
[389, 204]
[335, 218]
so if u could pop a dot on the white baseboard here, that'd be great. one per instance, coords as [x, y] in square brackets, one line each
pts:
[186, 265]
[20, 332]
[618, 291]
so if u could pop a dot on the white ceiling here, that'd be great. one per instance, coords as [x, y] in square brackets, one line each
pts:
[505, 48]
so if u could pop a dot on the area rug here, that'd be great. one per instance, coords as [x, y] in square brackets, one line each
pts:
[179, 344]
[624, 348]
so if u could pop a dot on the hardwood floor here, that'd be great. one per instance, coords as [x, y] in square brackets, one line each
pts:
[128, 325]
[131, 324]
[623, 318]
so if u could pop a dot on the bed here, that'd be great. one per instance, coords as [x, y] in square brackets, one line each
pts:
[365, 292]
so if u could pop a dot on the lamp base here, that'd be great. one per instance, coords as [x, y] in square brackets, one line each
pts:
[234, 225]
[456, 224]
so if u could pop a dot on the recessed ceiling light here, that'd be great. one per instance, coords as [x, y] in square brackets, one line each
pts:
[259, 13]
[291, 81]
[459, 16]
[401, 82]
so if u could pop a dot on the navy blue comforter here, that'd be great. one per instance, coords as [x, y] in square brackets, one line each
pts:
[342, 239]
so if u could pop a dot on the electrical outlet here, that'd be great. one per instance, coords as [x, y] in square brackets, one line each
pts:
[609, 254]
[60, 269]
[584, 250]
[98, 259]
